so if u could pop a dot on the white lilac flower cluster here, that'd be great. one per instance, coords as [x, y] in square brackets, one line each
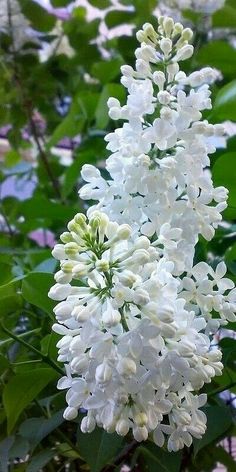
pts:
[203, 6]
[135, 314]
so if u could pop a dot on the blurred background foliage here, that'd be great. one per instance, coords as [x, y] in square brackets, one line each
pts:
[57, 70]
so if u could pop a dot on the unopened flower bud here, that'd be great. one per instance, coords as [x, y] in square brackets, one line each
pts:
[122, 427]
[59, 252]
[59, 292]
[113, 102]
[103, 373]
[62, 277]
[141, 297]
[187, 34]
[70, 413]
[123, 232]
[168, 25]
[115, 113]
[127, 71]
[111, 317]
[159, 79]
[66, 237]
[80, 270]
[102, 265]
[88, 424]
[71, 249]
[140, 256]
[81, 313]
[142, 243]
[164, 97]
[79, 364]
[127, 278]
[166, 46]
[140, 433]
[184, 53]
[63, 310]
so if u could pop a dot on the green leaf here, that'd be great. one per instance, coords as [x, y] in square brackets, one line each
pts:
[224, 173]
[4, 364]
[104, 447]
[117, 17]
[225, 18]
[106, 71]
[157, 459]
[40, 460]
[60, 3]
[19, 448]
[36, 429]
[9, 289]
[12, 158]
[35, 290]
[228, 347]
[109, 90]
[81, 111]
[100, 3]
[225, 103]
[39, 17]
[219, 420]
[220, 55]
[150, 5]
[22, 389]
[40, 207]
[10, 304]
[10, 300]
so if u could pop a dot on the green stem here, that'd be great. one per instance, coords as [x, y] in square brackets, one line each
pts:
[44, 357]
[123, 320]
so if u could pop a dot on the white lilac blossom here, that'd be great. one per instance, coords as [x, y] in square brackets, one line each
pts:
[135, 313]
[203, 6]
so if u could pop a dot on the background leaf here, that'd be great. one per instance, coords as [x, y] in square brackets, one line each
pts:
[219, 421]
[31, 292]
[21, 390]
[104, 447]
